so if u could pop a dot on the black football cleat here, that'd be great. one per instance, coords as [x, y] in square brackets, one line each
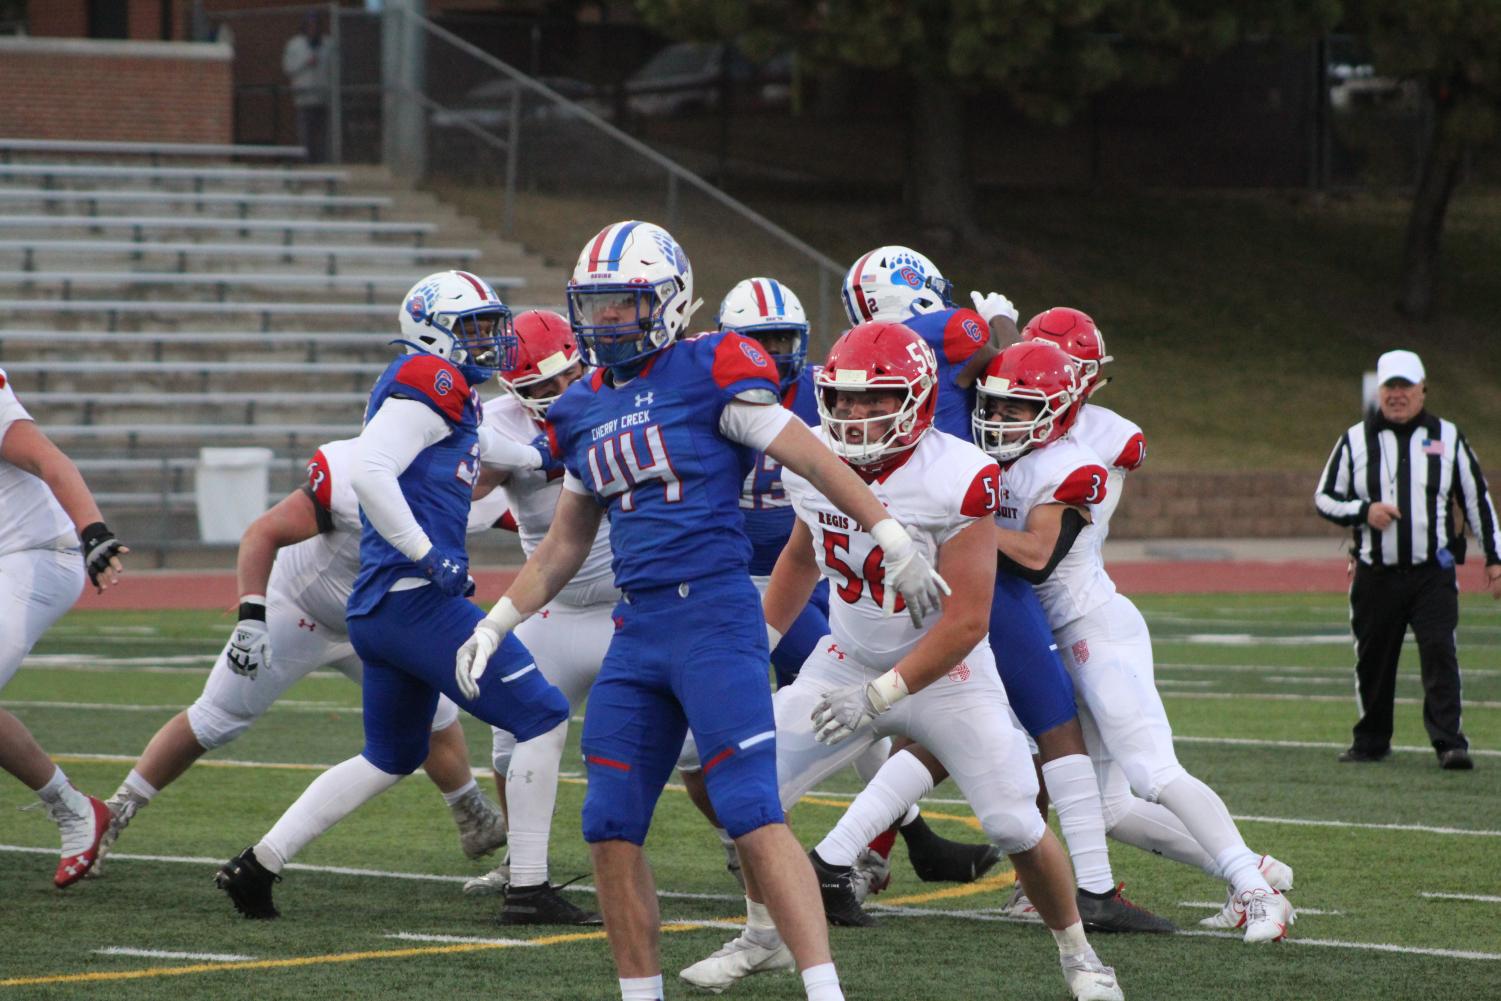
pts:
[840, 905]
[248, 884]
[1112, 912]
[542, 905]
[938, 860]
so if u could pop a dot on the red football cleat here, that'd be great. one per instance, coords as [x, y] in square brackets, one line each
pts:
[81, 837]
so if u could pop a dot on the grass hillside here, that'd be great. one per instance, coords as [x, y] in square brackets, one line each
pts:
[1241, 322]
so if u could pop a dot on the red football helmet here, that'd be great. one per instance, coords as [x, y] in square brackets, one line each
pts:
[547, 348]
[1075, 332]
[1034, 371]
[871, 357]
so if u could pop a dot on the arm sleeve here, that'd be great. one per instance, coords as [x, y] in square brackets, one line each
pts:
[500, 452]
[395, 436]
[1479, 509]
[1335, 498]
[1068, 530]
[754, 425]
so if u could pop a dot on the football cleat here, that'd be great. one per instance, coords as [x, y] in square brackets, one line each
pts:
[81, 833]
[542, 905]
[482, 825]
[121, 810]
[248, 884]
[736, 960]
[870, 874]
[1089, 979]
[1019, 908]
[1279, 876]
[1268, 915]
[939, 860]
[1114, 913]
[494, 881]
[840, 904]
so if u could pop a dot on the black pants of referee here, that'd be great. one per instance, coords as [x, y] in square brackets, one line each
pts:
[1384, 601]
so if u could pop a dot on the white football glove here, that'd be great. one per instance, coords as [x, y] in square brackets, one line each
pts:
[845, 710]
[994, 304]
[474, 656]
[908, 572]
[249, 648]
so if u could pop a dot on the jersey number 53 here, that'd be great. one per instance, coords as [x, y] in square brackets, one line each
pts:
[617, 468]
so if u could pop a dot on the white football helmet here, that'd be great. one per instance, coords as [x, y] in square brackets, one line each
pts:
[457, 316]
[894, 284]
[759, 307]
[631, 294]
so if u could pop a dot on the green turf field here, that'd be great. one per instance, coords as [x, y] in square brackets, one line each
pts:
[1258, 689]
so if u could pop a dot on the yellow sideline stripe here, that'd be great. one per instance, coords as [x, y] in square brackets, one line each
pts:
[998, 882]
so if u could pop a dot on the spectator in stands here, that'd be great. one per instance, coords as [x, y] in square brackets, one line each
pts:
[51, 532]
[306, 61]
[1394, 479]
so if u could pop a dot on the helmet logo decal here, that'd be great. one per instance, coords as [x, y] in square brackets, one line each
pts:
[417, 308]
[443, 382]
[907, 275]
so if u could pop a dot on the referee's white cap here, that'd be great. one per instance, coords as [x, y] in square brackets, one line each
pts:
[1399, 365]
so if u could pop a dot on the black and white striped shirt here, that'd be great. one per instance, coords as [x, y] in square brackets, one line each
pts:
[1419, 468]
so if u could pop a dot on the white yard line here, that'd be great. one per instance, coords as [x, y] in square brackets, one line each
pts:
[1479, 897]
[1301, 697]
[296, 705]
[1259, 668]
[202, 957]
[1214, 905]
[1315, 744]
[408, 936]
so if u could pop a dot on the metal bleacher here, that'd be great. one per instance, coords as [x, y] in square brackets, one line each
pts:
[159, 298]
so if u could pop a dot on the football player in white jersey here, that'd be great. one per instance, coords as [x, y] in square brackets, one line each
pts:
[295, 569]
[1028, 399]
[51, 532]
[880, 674]
[1121, 443]
[568, 636]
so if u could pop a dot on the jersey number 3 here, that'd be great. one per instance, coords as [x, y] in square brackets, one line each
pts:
[617, 468]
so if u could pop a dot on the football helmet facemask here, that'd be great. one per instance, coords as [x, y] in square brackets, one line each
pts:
[631, 294]
[877, 357]
[457, 316]
[1036, 372]
[894, 284]
[545, 349]
[768, 311]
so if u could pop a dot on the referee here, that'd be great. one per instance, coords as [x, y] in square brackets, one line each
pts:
[1394, 478]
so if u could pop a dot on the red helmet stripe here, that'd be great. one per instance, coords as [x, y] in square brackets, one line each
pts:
[859, 293]
[599, 245]
[760, 297]
[479, 286]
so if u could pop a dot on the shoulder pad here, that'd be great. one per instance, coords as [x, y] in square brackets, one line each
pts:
[984, 494]
[1134, 454]
[320, 480]
[437, 381]
[964, 333]
[738, 358]
[1084, 486]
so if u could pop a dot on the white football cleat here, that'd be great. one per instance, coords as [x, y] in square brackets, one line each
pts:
[1019, 908]
[736, 960]
[1089, 979]
[81, 830]
[870, 874]
[493, 882]
[1279, 876]
[121, 810]
[482, 825]
[1268, 915]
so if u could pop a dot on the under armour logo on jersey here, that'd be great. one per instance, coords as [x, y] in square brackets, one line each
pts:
[544, 613]
[305, 624]
[443, 382]
[834, 649]
[644, 399]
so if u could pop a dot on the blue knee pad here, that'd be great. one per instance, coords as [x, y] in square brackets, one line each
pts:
[1037, 684]
[742, 785]
[810, 626]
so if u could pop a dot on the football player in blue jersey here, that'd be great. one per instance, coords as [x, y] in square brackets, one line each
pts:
[662, 436]
[416, 461]
[899, 284]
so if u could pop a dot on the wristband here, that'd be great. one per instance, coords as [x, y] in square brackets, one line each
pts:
[253, 606]
[890, 535]
[504, 615]
[887, 690]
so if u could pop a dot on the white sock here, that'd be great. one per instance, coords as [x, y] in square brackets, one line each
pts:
[759, 928]
[137, 788]
[724, 836]
[913, 812]
[1071, 940]
[330, 798]
[1075, 793]
[1154, 828]
[452, 798]
[822, 983]
[60, 792]
[1204, 815]
[641, 988]
[531, 794]
[900, 783]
